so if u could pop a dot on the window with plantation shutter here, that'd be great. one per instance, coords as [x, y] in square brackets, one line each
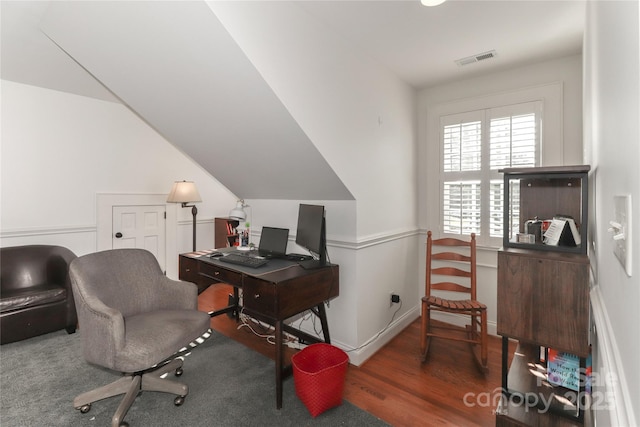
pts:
[475, 146]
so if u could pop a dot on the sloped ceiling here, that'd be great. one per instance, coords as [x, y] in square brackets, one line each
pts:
[29, 57]
[175, 65]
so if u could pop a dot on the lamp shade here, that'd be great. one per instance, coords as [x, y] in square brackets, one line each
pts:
[184, 192]
[238, 213]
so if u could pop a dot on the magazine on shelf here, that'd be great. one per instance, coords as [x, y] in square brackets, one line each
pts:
[562, 232]
[563, 369]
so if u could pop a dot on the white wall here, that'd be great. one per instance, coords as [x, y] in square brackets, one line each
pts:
[359, 115]
[612, 147]
[60, 150]
[362, 120]
[565, 120]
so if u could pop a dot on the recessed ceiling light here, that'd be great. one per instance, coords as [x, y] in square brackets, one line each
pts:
[432, 2]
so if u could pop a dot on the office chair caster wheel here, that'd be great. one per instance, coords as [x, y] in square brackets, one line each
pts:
[84, 408]
[178, 401]
[179, 372]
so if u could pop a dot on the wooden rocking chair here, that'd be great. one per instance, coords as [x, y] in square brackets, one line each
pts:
[455, 280]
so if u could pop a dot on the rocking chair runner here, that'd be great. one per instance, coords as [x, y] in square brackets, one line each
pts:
[475, 332]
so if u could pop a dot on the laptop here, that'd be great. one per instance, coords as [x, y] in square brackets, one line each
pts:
[273, 242]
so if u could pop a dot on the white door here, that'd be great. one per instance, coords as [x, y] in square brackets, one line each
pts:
[140, 227]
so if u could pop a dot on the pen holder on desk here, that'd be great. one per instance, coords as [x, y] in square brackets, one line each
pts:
[319, 371]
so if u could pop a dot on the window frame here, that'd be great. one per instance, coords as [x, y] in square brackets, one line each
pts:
[485, 174]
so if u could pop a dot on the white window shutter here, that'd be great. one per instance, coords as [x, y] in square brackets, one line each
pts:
[513, 141]
[475, 145]
[462, 147]
[461, 205]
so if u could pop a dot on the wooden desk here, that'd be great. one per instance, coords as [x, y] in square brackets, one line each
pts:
[272, 293]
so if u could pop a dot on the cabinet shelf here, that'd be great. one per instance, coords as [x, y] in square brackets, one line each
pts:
[225, 232]
[528, 391]
[541, 194]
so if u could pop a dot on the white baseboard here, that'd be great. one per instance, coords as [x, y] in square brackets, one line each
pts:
[610, 389]
[357, 356]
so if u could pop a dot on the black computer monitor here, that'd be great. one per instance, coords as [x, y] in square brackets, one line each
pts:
[311, 234]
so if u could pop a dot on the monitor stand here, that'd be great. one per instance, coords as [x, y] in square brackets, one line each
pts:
[312, 264]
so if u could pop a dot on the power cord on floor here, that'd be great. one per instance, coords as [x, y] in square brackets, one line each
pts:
[249, 322]
[309, 314]
[244, 319]
[379, 333]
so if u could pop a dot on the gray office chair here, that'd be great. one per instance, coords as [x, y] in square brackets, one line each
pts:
[134, 320]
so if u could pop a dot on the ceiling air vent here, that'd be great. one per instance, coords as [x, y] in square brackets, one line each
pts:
[476, 58]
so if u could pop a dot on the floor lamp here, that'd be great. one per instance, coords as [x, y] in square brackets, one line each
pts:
[186, 192]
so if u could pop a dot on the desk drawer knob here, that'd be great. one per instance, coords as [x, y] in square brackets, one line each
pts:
[217, 273]
[187, 270]
[256, 296]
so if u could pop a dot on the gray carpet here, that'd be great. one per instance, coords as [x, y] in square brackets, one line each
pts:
[229, 385]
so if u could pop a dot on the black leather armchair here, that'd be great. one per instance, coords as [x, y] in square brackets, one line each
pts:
[35, 291]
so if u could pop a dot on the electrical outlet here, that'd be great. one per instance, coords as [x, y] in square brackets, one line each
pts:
[393, 299]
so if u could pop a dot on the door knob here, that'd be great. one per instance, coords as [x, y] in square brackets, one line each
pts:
[118, 235]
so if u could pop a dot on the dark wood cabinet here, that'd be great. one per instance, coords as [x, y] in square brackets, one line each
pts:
[543, 298]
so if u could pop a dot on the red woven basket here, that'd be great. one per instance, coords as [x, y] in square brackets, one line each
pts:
[319, 371]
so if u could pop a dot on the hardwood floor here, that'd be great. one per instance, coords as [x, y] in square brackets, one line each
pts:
[394, 385]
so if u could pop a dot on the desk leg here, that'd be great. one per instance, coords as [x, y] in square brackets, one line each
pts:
[236, 303]
[323, 321]
[279, 363]
[233, 309]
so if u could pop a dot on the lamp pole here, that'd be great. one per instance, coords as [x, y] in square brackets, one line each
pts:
[194, 212]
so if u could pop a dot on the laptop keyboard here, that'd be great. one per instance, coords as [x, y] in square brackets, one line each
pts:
[243, 260]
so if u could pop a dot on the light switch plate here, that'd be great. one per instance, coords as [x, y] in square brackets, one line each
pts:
[622, 247]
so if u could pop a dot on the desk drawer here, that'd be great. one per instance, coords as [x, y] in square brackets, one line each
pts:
[188, 269]
[220, 274]
[259, 296]
[189, 273]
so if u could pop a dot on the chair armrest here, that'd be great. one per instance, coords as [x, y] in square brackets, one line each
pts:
[105, 334]
[176, 294]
